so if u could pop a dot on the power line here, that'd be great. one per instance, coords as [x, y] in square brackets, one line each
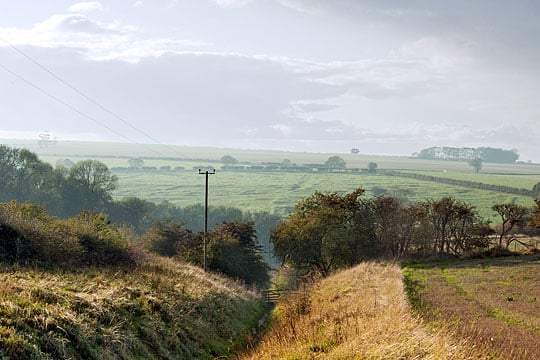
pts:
[96, 103]
[72, 108]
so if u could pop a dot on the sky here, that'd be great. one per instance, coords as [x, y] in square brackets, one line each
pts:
[385, 76]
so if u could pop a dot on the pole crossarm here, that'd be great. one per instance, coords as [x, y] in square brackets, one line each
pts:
[206, 173]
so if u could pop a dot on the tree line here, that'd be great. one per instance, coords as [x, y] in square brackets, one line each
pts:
[328, 231]
[486, 154]
[465, 183]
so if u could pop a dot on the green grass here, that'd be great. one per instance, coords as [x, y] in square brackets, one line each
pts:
[279, 191]
[520, 181]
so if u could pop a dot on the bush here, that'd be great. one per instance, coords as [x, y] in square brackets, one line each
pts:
[172, 240]
[233, 250]
[29, 235]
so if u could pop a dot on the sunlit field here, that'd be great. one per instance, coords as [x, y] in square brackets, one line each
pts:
[495, 303]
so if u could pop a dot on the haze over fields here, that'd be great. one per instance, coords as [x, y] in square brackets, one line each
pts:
[386, 77]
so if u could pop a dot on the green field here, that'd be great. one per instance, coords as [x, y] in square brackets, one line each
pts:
[277, 192]
[519, 180]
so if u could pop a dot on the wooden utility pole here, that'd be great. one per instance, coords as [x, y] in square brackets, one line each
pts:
[206, 172]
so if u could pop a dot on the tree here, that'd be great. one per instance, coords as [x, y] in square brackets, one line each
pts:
[440, 215]
[536, 191]
[476, 164]
[66, 163]
[534, 220]
[228, 160]
[91, 185]
[131, 211]
[173, 240]
[386, 212]
[325, 232]
[335, 163]
[286, 163]
[136, 163]
[24, 177]
[372, 167]
[234, 250]
[511, 215]
[264, 223]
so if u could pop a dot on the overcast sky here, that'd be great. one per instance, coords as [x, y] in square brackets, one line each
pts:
[386, 77]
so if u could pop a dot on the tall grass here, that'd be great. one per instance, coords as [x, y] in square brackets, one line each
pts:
[158, 310]
[360, 313]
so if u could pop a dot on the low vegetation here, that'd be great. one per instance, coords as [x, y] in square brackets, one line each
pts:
[493, 303]
[359, 313]
[160, 309]
[77, 288]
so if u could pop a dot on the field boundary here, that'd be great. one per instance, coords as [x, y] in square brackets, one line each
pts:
[464, 183]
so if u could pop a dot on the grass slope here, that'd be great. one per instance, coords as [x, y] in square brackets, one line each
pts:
[161, 309]
[360, 313]
[495, 303]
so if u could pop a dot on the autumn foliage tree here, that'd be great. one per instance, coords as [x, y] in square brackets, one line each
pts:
[326, 231]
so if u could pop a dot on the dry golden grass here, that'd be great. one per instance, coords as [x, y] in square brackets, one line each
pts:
[360, 313]
[160, 309]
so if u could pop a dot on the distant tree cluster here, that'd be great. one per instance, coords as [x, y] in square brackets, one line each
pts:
[86, 185]
[486, 154]
[328, 231]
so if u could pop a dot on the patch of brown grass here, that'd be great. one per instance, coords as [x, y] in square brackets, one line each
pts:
[494, 303]
[360, 313]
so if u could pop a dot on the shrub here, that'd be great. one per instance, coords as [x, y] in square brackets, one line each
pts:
[172, 240]
[29, 235]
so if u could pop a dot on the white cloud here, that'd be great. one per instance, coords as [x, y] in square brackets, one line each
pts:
[228, 4]
[433, 88]
[305, 6]
[282, 128]
[85, 7]
[96, 40]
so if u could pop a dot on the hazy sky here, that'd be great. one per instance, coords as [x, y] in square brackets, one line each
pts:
[386, 77]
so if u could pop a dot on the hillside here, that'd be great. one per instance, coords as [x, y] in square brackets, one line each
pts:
[360, 313]
[158, 309]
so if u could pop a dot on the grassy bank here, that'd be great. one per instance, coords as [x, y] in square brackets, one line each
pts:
[158, 309]
[360, 313]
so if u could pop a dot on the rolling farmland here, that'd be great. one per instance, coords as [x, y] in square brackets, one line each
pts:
[171, 174]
